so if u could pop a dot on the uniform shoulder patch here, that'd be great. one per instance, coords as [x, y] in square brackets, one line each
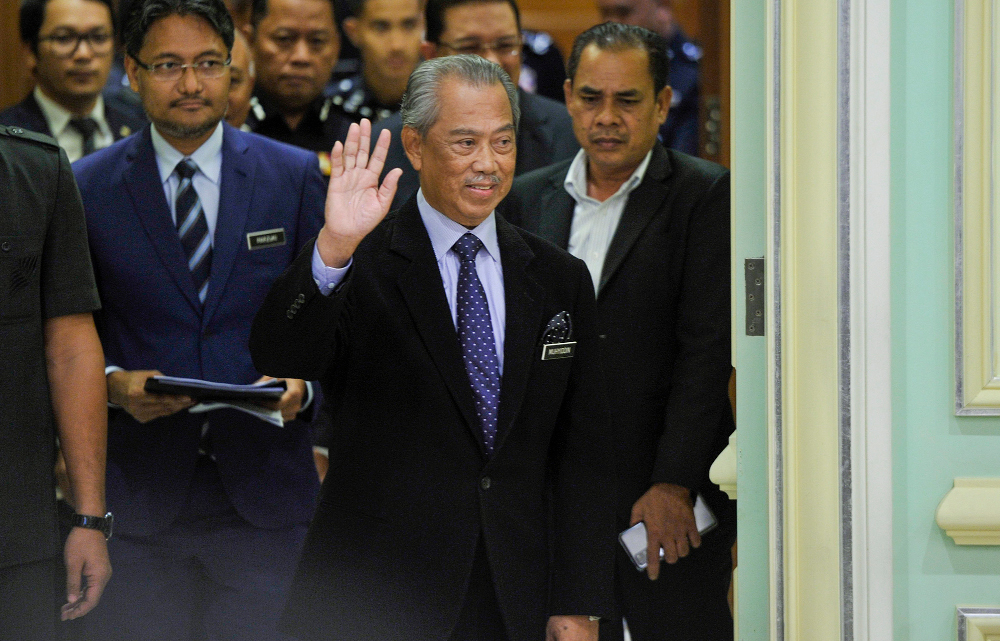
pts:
[27, 134]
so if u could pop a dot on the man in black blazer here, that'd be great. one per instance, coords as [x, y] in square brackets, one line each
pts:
[469, 492]
[69, 46]
[653, 226]
[491, 29]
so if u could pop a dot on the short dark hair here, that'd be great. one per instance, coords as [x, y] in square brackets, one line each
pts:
[260, 9]
[435, 10]
[139, 16]
[616, 37]
[33, 15]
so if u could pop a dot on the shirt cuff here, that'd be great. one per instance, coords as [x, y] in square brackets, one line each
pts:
[108, 370]
[309, 397]
[327, 278]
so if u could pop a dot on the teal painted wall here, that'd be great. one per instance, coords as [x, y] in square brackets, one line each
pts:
[931, 445]
[749, 201]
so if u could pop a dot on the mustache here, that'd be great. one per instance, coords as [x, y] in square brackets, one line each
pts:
[482, 180]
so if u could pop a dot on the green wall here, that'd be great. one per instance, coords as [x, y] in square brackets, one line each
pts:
[749, 200]
[931, 445]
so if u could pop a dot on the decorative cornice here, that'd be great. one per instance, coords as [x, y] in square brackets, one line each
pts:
[723, 472]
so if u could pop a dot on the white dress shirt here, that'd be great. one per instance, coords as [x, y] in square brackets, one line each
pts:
[69, 138]
[206, 180]
[594, 222]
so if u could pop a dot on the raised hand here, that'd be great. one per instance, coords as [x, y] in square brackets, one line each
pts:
[355, 203]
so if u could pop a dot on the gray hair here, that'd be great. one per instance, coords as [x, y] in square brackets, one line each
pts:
[421, 102]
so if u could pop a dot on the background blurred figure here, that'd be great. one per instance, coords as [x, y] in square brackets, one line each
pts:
[243, 74]
[52, 379]
[242, 13]
[69, 46]
[388, 35]
[680, 132]
[491, 29]
[295, 45]
[543, 70]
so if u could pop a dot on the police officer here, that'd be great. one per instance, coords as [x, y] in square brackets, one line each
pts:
[387, 34]
[295, 44]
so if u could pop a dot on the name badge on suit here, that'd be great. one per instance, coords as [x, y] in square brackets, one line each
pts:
[556, 341]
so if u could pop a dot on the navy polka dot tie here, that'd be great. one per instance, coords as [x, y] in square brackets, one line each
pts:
[475, 333]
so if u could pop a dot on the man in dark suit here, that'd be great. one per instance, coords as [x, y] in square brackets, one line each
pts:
[491, 29]
[69, 46]
[190, 220]
[652, 225]
[51, 383]
[469, 490]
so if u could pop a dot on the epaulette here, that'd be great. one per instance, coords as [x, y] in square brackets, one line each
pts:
[257, 109]
[691, 51]
[27, 134]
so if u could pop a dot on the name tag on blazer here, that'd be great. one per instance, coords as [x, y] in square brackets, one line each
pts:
[553, 351]
[266, 238]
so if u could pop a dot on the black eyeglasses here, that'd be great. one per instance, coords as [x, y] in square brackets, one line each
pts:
[504, 47]
[171, 71]
[65, 43]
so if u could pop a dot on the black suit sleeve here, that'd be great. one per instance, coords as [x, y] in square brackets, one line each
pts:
[698, 389]
[295, 330]
[584, 479]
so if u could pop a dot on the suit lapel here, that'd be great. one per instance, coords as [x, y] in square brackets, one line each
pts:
[555, 212]
[524, 296]
[34, 110]
[142, 181]
[643, 204]
[235, 193]
[422, 289]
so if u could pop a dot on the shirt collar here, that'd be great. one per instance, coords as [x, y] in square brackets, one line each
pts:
[445, 232]
[58, 116]
[576, 178]
[208, 157]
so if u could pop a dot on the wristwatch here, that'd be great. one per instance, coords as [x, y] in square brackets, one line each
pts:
[103, 523]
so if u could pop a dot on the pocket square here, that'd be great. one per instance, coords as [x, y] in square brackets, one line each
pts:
[559, 329]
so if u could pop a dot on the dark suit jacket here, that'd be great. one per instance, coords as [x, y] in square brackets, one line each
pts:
[152, 319]
[410, 491]
[664, 320]
[123, 118]
[544, 136]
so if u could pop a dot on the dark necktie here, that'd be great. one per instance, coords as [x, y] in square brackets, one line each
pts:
[87, 128]
[193, 228]
[475, 333]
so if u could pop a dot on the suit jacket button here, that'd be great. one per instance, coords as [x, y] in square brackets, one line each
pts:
[5, 246]
[485, 483]
[301, 298]
[290, 314]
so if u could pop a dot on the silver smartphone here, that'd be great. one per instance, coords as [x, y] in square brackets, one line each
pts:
[634, 539]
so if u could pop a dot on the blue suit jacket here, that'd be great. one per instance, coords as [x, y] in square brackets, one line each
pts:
[151, 319]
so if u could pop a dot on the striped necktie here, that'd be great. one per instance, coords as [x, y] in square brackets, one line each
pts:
[192, 227]
[475, 333]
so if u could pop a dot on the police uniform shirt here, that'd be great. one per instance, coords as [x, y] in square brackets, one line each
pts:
[320, 127]
[45, 272]
[680, 131]
[351, 97]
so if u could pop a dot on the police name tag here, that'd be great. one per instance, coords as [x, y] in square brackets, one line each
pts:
[553, 351]
[266, 238]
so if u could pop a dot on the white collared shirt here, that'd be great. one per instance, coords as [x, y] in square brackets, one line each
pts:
[69, 138]
[594, 222]
[206, 181]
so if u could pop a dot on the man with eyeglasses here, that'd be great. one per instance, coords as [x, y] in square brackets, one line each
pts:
[189, 222]
[69, 46]
[295, 45]
[491, 29]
